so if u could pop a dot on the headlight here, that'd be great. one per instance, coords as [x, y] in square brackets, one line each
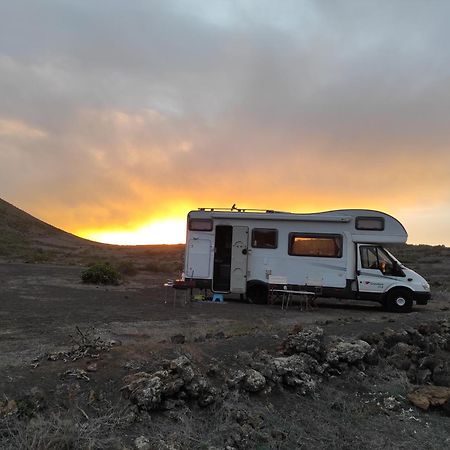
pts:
[426, 286]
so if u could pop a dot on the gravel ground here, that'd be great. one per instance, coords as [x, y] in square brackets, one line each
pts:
[42, 306]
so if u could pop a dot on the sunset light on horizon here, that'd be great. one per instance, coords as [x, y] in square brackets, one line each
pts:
[118, 118]
[167, 231]
[173, 230]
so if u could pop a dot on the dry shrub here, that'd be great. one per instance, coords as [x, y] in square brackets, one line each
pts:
[62, 431]
[101, 273]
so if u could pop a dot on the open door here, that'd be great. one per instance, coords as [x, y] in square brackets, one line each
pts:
[239, 257]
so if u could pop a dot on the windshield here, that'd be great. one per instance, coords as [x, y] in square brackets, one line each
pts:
[385, 262]
[393, 257]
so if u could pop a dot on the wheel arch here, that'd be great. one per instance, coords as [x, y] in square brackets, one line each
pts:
[256, 282]
[397, 288]
[253, 286]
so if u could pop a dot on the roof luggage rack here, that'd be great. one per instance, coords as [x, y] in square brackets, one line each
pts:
[240, 210]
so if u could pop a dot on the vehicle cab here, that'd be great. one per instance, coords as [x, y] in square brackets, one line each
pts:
[381, 277]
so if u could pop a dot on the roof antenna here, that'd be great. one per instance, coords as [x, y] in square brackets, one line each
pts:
[233, 208]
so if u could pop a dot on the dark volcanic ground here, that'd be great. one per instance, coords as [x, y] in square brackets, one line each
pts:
[42, 306]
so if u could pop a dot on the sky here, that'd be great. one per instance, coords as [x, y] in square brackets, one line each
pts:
[117, 118]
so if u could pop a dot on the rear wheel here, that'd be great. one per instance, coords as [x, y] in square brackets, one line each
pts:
[257, 293]
[399, 300]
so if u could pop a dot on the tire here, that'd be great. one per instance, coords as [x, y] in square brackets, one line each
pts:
[399, 301]
[257, 293]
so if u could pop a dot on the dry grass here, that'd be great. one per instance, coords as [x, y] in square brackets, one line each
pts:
[65, 430]
[53, 433]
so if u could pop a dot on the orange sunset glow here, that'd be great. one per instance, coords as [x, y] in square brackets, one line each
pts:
[117, 120]
[166, 231]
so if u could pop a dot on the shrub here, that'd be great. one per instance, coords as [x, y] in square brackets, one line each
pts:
[101, 273]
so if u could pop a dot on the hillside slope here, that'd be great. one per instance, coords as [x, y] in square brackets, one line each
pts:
[24, 238]
[18, 224]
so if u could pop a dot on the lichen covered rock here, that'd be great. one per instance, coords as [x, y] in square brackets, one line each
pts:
[308, 341]
[349, 352]
[254, 381]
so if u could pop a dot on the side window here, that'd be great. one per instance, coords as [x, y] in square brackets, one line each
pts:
[200, 224]
[369, 257]
[376, 258]
[264, 238]
[318, 245]
[369, 223]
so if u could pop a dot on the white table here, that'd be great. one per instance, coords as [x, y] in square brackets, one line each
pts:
[288, 293]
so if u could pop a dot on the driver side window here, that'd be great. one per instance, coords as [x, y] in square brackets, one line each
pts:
[376, 258]
[369, 257]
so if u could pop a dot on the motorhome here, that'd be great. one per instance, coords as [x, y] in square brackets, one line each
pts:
[339, 254]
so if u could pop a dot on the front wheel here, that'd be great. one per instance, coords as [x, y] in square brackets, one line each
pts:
[399, 300]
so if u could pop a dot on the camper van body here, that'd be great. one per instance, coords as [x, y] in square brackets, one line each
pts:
[337, 253]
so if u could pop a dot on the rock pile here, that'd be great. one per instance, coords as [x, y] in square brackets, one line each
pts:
[421, 352]
[305, 360]
[170, 387]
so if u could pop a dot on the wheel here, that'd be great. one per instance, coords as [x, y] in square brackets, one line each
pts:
[257, 293]
[399, 300]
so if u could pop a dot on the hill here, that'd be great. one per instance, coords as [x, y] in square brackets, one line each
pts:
[24, 238]
[17, 225]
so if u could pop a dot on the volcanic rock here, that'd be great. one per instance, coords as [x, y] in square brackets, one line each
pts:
[254, 381]
[427, 396]
[348, 352]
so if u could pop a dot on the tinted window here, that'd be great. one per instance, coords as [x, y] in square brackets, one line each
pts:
[369, 258]
[370, 223]
[321, 245]
[200, 224]
[264, 238]
[376, 258]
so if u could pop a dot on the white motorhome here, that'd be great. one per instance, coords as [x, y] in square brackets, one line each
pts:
[339, 254]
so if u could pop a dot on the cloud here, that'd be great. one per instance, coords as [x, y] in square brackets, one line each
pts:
[16, 129]
[131, 112]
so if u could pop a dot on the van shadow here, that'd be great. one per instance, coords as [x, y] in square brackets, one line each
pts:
[327, 304]
[320, 304]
